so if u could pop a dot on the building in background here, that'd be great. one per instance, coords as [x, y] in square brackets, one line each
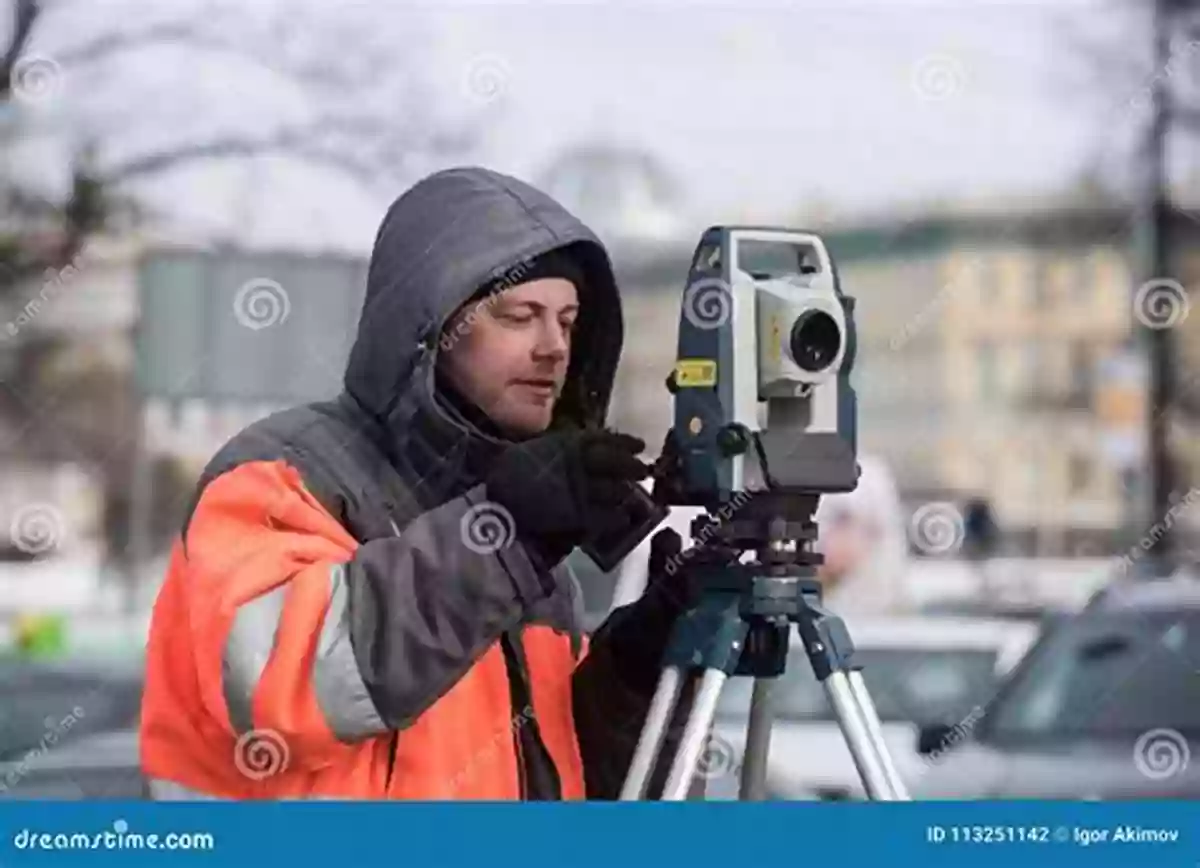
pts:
[994, 361]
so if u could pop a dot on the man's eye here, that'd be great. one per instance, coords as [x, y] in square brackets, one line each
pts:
[520, 318]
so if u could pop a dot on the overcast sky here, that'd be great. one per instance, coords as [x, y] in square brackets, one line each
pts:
[759, 109]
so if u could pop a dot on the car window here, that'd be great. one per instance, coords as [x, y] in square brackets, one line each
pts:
[42, 710]
[906, 684]
[1104, 676]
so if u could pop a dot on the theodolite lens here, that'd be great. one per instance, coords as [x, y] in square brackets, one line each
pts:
[815, 340]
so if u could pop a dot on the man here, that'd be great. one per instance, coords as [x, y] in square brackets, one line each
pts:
[368, 599]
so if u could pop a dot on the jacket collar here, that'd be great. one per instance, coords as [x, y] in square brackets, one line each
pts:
[442, 444]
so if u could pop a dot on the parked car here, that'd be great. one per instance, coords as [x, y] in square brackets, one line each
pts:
[68, 729]
[101, 766]
[919, 671]
[1105, 706]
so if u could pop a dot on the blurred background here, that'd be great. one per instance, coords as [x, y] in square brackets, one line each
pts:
[1011, 191]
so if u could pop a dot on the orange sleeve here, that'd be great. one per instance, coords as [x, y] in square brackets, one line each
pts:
[299, 630]
[261, 556]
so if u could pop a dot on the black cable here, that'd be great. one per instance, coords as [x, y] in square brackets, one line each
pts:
[762, 460]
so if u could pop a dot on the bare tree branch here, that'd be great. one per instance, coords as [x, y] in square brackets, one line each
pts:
[365, 148]
[109, 44]
[366, 121]
[288, 142]
[25, 13]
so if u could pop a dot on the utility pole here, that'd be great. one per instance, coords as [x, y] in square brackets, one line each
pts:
[1152, 237]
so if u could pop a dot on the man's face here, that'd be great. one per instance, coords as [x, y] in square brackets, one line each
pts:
[509, 353]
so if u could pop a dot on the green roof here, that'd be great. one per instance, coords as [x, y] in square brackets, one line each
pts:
[928, 235]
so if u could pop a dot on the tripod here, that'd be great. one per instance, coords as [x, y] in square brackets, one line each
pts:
[741, 626]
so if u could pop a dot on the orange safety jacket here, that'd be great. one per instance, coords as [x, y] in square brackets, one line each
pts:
[240, 551]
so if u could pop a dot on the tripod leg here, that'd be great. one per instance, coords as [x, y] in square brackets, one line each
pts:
[670, 685]
[758, 743]
[858, 737]
[695, 734]
[871, 717]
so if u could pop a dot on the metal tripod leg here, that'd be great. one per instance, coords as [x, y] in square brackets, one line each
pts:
[830, 649]
[871, 717]
[713, 637]
[858, 736]
[670, 685]
[695, 734]
[758, 743]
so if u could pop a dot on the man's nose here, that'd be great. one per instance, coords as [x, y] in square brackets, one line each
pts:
[554, 341]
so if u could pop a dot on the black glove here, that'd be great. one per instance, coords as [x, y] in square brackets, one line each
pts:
[565, 487]
[667, 582]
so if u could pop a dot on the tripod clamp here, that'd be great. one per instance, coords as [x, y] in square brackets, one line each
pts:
[741, 626]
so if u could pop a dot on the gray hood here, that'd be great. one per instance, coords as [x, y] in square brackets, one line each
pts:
[443, 239]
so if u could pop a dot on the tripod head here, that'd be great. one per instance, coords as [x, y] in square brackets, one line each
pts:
[758, 598]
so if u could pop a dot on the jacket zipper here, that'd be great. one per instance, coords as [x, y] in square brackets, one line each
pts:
[395, 742]
[387, 786]
[514, 693]
[539, 777]
[522, 783]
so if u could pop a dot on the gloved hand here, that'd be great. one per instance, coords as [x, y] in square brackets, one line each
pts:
[635, 636]
[667, 584]
[566, 486]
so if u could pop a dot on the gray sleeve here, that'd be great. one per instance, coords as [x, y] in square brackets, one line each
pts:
[421, 607]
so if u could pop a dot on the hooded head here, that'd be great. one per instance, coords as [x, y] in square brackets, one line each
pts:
[490, 314]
